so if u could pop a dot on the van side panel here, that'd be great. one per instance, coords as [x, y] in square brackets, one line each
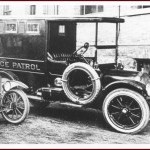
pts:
[23, 50]
[28, 43]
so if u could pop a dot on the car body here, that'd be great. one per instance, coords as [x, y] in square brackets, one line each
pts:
[42, 54]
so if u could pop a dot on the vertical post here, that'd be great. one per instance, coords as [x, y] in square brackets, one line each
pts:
[117, 34]
[96, 40]
[119, 16]
[119, 11]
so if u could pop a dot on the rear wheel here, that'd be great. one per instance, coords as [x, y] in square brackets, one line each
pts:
[81, 83]
[16, 106]
[126, 111]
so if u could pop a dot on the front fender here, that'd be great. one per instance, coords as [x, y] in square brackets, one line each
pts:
[131, 84]
[8, 85]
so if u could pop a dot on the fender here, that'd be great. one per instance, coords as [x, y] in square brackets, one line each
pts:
[8, 74]
[8, 85]
[126, 83]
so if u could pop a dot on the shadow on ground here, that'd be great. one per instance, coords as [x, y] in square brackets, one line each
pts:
[90, 117]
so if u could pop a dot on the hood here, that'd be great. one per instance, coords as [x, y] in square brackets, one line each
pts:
[118, 75]
[121, 74]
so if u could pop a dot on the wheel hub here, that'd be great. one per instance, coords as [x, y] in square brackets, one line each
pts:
[13, 106]
[125, 110]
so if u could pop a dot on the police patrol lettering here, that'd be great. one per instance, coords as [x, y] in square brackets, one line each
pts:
[25, 66]
[19, 65]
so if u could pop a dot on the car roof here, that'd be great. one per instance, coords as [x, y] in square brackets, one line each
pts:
[70, 19]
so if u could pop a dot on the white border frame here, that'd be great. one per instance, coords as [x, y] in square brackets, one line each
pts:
[77, 146]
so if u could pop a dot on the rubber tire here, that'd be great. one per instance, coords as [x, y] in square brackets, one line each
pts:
[93, 74]
[26, 110]
[139, 99]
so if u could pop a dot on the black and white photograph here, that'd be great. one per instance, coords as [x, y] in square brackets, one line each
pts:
[74, 74]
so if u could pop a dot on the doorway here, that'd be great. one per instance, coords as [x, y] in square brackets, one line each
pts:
[62, 37]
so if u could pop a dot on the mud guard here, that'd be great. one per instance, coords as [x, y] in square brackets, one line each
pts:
[8, 85]
[8, 74]
[133, 84]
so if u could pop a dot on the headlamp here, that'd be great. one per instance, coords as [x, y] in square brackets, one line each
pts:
[7, 86]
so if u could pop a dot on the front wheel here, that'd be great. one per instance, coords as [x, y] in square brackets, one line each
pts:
[15, 105]
[126, 111]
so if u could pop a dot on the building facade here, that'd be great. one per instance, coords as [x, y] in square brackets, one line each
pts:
[134, 37]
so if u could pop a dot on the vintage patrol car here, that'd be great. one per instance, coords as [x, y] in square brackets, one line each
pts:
[40, 61]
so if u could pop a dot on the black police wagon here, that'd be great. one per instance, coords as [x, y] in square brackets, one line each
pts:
[40, 62]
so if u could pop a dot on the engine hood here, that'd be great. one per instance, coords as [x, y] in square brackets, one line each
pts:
[136, 79]
[121, 74]
[113, 75]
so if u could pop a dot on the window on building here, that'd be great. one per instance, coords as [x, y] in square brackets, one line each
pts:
[45, 9]
[6, 10]
[87, 9]
[32, 9]
[56, 10]
[100, 8]
[140, 6]
[90, 9]
[146, 6]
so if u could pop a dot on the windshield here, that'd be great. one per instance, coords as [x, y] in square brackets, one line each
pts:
[86, 32]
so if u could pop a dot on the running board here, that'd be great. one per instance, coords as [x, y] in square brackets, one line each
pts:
[71, 104]
[38, 98]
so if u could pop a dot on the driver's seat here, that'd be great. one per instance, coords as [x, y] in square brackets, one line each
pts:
[51, 59]
[55, 66]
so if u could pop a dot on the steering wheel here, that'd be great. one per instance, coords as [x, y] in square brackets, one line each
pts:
[83, 49]
[85, 46]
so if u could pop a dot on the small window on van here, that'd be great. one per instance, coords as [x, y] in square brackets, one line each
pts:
[33, 28]
[11, 28]
[61, 30]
